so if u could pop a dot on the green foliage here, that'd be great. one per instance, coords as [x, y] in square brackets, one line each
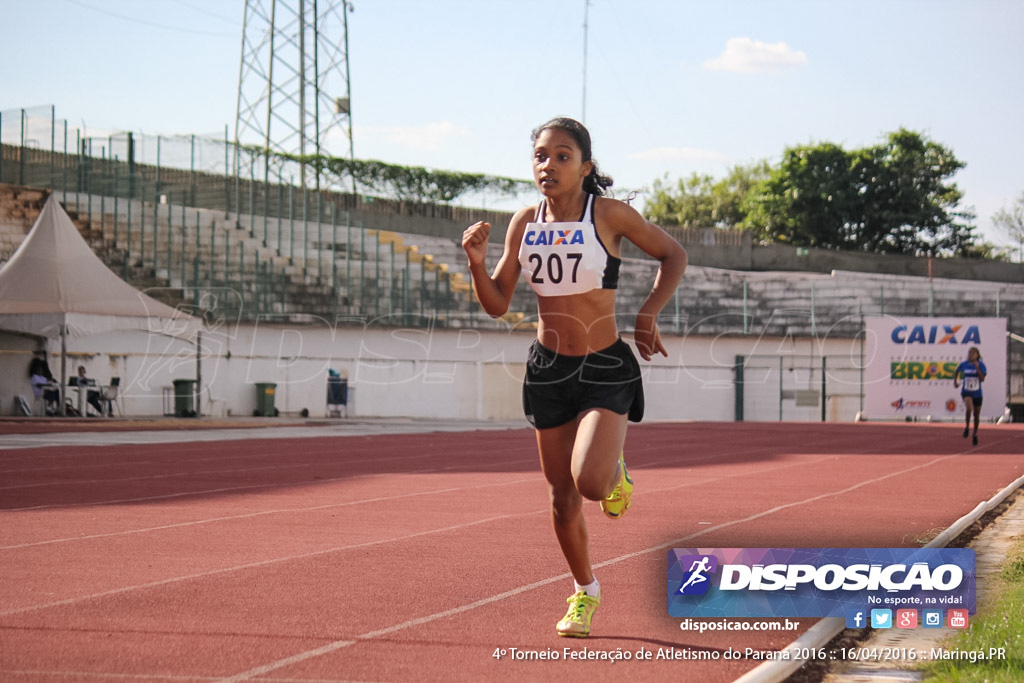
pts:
[412, 183]
[701, 201]
[982, 249]
[804, 200]
[1011, 222]
[687, 204]
[999, 623]
[909, 207]
[1013, 572]
[894, 197]
[890, 198]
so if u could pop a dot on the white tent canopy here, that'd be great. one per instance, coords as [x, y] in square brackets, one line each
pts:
[54, 286]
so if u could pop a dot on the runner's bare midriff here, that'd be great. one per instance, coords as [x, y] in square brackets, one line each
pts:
[579, 324]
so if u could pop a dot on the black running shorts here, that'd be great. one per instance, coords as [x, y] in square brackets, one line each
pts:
[558, 388]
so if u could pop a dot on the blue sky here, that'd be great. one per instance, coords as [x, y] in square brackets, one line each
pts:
[671, 87]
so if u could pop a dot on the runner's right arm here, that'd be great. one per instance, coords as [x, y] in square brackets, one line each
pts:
[495, 291]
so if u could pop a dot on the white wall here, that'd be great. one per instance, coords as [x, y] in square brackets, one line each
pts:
[411, 372]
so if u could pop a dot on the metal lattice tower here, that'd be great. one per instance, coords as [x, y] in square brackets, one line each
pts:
[294, 95]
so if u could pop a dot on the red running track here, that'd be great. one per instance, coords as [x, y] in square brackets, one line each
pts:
[416, 557]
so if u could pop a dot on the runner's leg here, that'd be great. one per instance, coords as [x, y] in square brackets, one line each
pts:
[595, 455]
[968, 409]
[556, 455]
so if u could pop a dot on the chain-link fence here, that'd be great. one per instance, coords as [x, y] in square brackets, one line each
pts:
[798, 387]
[186, 215]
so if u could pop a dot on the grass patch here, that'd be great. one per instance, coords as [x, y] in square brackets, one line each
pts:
[999, 623]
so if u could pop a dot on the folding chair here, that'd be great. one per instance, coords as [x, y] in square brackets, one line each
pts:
[111, 396]
[47, 400]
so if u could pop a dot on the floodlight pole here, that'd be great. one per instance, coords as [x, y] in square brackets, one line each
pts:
[586, 12]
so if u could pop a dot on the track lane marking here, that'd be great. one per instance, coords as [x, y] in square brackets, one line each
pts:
[370, 635]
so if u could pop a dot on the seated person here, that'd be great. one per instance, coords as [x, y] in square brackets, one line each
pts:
[39, 366]
[93, 397]
[42, 380]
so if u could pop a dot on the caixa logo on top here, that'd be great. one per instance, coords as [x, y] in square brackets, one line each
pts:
[816, 582]
[936, 334]
[543, 237]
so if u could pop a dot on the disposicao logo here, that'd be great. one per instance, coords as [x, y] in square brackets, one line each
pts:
[696, 579]
[816, 582]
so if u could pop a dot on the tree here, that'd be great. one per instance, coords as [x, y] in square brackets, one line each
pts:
[734, 191]
[989, 251]
[908, 205]
[688, 204]
[700, 201]
[804, 200]
[1012, 222]
[891, 198]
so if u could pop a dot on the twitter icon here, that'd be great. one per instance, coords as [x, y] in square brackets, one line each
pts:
[881, 618]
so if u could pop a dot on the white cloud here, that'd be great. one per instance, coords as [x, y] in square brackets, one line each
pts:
[690, 154]
[428, 137]
[751, 56]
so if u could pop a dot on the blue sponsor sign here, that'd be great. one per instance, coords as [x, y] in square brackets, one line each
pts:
[818, 582]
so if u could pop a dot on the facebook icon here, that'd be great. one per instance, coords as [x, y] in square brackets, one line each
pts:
[855, 618]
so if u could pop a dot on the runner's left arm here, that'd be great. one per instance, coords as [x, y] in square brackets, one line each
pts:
[660, 246]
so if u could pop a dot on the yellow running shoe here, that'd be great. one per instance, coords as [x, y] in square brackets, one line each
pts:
[576, 622]
[617, 502]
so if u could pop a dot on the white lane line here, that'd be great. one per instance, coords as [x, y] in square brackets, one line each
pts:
[294, 659]
[230, 518]
[337, 645]
[87, 675]
[675, 463]
[138, 437]
[233, 451]
[241, 470]
[157, 477]
[247, 487]
[327, 463]
[297, 465]
[261, 563]
[340, 644]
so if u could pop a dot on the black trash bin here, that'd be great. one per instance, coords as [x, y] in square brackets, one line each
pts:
[337, 396]
[184, 394]
[265, 400]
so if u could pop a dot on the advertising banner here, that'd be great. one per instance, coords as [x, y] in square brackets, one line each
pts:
[910, 363]
[820, 582]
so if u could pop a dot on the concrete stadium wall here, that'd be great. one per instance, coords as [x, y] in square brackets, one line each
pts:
[790, 303]
[396, 372]
[474, 373]
[736, 250]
